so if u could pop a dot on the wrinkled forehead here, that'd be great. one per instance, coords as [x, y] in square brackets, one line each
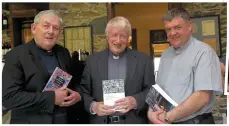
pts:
[54, 20]
[117, 27]
[118, 30]
[176, 21]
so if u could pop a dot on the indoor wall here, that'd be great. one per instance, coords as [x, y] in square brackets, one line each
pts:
[144, 17]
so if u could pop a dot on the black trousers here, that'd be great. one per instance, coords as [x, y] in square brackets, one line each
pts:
[60, 115]
[206, 118]
[60, 119]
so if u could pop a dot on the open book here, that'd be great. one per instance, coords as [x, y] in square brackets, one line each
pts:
[58, 79]
[113, 90]
[156, 95]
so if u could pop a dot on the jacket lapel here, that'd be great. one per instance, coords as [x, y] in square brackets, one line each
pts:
[131, 66]
[60, 58]
[103, 65]
[36, 60]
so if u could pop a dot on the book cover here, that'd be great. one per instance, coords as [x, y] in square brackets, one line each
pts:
[112, 91]
[157, 95]
[58, 79]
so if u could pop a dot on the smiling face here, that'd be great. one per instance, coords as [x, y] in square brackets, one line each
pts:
[47, 31]
[117, 40]
[178, 31]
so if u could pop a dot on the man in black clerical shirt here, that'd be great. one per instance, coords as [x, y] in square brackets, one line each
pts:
[28, 68]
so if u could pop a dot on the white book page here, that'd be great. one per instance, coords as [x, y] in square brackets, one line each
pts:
[113, 90]
[109, 99]
[166, 96]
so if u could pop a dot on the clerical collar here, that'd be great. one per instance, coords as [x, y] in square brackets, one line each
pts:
[50, 52]
[117, 56]
[179, 50]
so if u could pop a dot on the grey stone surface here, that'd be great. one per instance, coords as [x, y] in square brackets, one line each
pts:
[220, 109]
[77, 14]
[99, 25]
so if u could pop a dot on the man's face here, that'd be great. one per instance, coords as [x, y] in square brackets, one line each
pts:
[117, 40]
[47, 32]
[178, 31]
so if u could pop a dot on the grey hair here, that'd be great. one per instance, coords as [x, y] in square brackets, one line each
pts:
[47, 13]
[119, 22]
[176, 12]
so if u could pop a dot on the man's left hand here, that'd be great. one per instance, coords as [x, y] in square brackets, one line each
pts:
[162, 117]
[125, 104]
[73, 98]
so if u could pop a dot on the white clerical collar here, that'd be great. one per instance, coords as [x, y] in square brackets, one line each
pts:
[115, 57]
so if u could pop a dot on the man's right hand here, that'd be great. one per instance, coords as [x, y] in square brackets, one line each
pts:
[101, 110]
[60, 94]
[154, 116]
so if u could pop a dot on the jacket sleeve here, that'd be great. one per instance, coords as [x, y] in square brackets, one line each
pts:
[147, 83]
[86, 86]
[13, 89]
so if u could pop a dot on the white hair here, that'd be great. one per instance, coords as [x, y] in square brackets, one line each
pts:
[119, 22]
[47, 13]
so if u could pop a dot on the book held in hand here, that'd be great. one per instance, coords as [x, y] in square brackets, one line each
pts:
[113, 90]
[58, 79]
[157, 95]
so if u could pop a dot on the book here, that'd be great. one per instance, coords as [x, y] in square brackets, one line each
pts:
[112, 91]
[157, 95]
[58, 79]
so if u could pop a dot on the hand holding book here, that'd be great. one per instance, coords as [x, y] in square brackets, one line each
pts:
[58, 82]
[72, 98]
[124, 105]
[154, 116]
[157, 95]
[60, 95]
[58, 79]
[101, 110]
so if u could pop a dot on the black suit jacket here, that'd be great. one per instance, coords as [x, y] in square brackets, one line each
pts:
[139, 78]
[24, 77]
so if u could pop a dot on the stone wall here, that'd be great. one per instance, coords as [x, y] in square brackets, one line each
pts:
[5, 32]
[220, 109]
[77, 14]
[207, 9]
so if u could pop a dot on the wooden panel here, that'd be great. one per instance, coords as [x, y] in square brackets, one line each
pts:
[23, 13]
[211, 42]
[26, 6]
[146, 17]
[134, 39]
[110, 9]
[27, 35]
[159, 48]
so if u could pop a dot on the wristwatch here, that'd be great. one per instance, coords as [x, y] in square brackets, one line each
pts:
[167, 119]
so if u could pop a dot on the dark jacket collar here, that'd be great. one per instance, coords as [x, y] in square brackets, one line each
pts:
[33, 51]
